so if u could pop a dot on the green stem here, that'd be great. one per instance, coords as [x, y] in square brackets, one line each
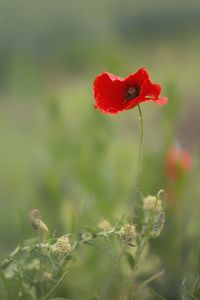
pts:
[40, 259]
[135, 192]
[140, 144]
[147, 235]
[55, 285]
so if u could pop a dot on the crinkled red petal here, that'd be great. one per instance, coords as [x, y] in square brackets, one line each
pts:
[161, 101]
[108, 93]
[137, 78]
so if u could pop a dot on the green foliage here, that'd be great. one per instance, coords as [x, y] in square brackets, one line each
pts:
[37, 267]
[78, 166]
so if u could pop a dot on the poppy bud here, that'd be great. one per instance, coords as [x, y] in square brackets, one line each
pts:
[151, 202]
[178, 162]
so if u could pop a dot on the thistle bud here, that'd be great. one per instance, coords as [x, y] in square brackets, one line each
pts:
[104, 225]
[151, 202]
[33, 265]
[62, 247]
[158, 224]
[36, 222]
[127, 232]
[46, 277]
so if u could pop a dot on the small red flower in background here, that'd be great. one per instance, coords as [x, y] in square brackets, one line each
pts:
[113, 94]
[178, 162]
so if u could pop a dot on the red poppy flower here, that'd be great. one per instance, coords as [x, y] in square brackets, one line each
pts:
[113, 94]
[178, 162]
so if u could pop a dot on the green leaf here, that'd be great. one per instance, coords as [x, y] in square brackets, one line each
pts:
[131, 260]
[91, 230]
[6, 284]
[131, 244]
[149, 280]
[156, 295]
[198, 263]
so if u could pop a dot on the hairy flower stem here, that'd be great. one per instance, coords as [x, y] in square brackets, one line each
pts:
[140, 146]
[130, 207]
[135, 191]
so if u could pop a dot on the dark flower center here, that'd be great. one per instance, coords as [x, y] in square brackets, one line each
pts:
[132, 92]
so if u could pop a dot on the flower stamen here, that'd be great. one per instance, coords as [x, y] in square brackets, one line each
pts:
[132, 92]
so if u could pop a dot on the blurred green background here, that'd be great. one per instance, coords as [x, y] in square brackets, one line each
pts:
[60, 155]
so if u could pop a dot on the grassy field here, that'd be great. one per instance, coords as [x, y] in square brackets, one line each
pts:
[78, 166]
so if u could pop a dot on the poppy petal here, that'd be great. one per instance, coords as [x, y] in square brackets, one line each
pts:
[108, 93]
[139, 77]
[151, 89]
[161, 101]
